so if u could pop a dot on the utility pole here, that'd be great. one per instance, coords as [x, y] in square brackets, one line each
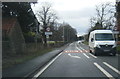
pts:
[118, 20]
[63, 35]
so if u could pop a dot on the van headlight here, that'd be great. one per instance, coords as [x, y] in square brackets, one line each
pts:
[114, 46]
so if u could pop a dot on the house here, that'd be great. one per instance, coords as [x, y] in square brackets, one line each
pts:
[12, 37]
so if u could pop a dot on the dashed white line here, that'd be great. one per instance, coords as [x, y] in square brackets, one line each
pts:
[41, 71]
[86, 55]
[104, 71]
[92, 55]
[114, 69]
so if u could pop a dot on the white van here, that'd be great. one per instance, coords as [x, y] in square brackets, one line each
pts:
[102, 42]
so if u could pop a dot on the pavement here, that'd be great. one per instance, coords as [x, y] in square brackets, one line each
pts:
[31, 66]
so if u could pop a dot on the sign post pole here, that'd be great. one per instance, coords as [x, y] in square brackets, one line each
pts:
[47, 33]
[47, 36]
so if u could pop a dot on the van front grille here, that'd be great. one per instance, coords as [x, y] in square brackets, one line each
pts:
[106, 47]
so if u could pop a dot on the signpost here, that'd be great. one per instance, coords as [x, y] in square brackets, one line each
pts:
[48, 29]
[47, 33]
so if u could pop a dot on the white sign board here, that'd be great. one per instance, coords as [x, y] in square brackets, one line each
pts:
[116, 32]
[48, 33]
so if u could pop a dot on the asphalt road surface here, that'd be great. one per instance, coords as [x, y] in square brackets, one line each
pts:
[76, 61]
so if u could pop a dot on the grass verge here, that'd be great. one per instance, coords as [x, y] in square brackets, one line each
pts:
[10, 61]
[85, 42]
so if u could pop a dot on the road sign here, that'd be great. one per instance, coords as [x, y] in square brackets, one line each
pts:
[116, 32]
[48, 33]
[48, 29]
[115, 28]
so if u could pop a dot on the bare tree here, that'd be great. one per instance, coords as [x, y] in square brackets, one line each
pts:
[104, 15]
[92, 21]
[46, 16]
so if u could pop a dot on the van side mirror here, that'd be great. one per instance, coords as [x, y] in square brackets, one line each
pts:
[92, 39]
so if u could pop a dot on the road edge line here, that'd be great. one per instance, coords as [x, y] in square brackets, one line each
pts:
[46, 66]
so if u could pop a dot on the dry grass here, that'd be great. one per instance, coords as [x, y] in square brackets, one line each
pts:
[12, 60]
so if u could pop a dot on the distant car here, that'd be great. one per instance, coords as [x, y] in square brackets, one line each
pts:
[102, 42]
[80, 41]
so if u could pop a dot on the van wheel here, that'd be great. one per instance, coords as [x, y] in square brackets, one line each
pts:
[95, 53]
[90, 51]
[114, 54]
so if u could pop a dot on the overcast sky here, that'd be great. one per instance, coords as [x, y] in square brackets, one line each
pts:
[74, 12]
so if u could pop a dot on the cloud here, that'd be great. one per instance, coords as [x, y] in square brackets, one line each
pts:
[78, 19]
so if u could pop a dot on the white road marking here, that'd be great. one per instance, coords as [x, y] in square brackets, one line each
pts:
[84, 49]
[73, 56]
[104, 71]
[42, 70]
[81, 48]
[92, 55]
[114, 69]
[86, 55]
[70, 44]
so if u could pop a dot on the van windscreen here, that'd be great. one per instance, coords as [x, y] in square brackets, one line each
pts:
[104, 37]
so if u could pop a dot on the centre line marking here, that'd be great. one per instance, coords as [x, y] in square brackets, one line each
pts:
[104, 71]
[92, 55]
[114, 69]
[86, 55]
[41, 71]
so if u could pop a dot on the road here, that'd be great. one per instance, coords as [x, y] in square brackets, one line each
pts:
[76, 61]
